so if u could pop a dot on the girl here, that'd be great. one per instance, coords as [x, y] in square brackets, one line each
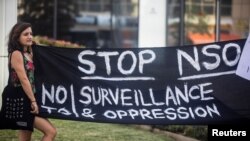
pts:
[22, 76]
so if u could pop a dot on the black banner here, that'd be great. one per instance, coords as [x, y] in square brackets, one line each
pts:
[171, 85]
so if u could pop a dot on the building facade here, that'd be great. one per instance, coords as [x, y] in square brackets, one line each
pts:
[8, 17]
[141, 23]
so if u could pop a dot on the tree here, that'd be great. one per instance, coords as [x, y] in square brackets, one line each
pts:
[40, 15]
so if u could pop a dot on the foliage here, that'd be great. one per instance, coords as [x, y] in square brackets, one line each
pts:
[196, 131]
[40, 15]
[174, 128]
[198, 24]
[44, 40]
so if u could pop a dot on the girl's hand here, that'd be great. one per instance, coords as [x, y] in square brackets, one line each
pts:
[34, 108]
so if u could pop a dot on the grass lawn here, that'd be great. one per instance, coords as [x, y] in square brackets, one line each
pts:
[87, 131]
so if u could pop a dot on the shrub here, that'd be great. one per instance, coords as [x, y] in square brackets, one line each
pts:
[198, 132]
[195, 131]
[44, 40]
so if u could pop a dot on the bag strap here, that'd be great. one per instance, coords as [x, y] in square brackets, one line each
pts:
[9, 66]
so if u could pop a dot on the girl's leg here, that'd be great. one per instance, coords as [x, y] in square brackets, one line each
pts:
[24, 135]
[44, 125]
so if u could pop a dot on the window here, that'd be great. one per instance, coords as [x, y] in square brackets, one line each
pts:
[114, 23]
[226, 7]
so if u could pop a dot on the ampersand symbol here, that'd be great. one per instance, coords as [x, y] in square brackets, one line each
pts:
[86, 112]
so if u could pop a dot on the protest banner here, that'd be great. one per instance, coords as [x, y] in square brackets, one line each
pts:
[193, 84]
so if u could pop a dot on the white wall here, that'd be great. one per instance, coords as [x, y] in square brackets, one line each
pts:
[8, 17]
[152, 23]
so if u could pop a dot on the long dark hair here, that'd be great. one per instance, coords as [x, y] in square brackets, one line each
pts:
[17, 29]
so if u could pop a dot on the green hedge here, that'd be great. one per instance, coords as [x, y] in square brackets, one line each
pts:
[195, 131]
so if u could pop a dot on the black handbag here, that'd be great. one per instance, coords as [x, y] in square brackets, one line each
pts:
[15, 112]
